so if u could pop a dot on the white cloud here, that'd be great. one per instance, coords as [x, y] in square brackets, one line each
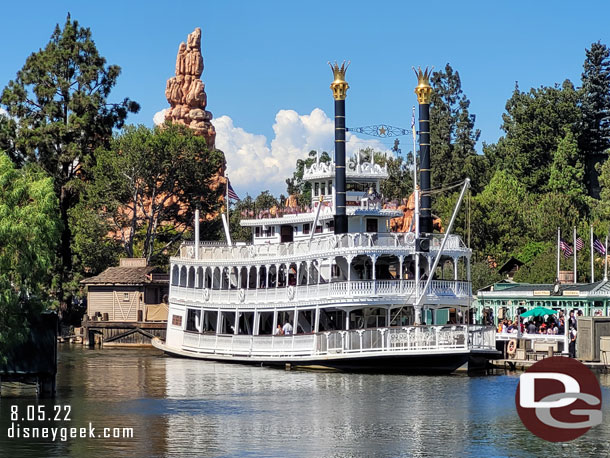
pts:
[254, 165]
[3, 112]
[159, 117]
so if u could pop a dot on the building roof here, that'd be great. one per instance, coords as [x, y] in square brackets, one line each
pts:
[512, 263]
[503, 289]
[128, 276]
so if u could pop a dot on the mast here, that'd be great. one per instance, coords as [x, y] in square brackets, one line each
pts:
[424, 94]
[423, 213]
[339, 87]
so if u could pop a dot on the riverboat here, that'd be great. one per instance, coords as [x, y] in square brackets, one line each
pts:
[330, 286]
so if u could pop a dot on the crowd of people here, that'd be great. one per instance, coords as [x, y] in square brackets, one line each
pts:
[550, 325]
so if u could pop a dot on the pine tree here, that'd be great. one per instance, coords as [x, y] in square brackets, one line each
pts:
[568, 171]
[595, 134]
[452, 136]
[534, 123]
[59, 115]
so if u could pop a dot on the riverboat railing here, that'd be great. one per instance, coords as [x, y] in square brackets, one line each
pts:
[403, 339]
[323, 244]
[371, 289]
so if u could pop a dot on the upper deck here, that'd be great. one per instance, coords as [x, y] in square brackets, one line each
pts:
[321, 246]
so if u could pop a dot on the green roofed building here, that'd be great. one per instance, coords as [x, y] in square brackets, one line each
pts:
[507, 299]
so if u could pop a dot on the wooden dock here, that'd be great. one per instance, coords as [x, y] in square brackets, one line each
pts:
[122, 333]
[524, 364]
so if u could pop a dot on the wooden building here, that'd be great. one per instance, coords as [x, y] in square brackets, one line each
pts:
[126, 304]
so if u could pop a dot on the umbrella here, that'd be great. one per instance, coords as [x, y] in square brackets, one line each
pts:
[538, 311]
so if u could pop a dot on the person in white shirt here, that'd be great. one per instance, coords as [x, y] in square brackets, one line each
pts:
[287, 328]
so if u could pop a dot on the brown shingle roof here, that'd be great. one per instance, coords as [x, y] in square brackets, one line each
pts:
[126, 276]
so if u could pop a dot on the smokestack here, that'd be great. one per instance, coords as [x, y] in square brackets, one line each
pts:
[424, 94]
[339, 87]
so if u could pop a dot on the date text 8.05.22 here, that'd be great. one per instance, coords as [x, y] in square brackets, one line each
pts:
[40, 413]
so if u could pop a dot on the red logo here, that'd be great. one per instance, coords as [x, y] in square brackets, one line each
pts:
[559, 399]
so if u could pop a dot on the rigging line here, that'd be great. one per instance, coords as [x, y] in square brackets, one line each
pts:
[442, 189]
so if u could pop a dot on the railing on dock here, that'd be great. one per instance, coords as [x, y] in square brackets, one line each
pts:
[377, 340]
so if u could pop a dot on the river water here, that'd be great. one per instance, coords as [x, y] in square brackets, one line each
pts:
[180, 407]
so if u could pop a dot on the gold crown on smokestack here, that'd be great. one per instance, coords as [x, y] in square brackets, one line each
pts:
[339, 86]
[423, 89]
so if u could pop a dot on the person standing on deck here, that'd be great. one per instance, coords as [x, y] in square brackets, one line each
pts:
[287, 329]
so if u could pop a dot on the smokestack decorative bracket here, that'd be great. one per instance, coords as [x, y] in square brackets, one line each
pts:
[339, 86]
[423, 89]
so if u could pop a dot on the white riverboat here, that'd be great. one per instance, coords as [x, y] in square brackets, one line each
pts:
[355, 301]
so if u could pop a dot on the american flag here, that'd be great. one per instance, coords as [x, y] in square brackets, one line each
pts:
[566, 248]
[599, 247]
[579, 244]
[230, 192]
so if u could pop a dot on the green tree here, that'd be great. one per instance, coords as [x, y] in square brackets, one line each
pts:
[147, 185]
[498, 213]
[595, 132]
[452, 133]
[568, 171]
[541, 269]
[59, 114]
[295, 185]
[534, 123]
[243, 209]
[483, 275]
[29, 233]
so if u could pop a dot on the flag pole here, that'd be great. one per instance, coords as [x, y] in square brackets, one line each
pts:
[558, 249]
[575, 251]
[592, 265]
[227, 196]
[606, 261]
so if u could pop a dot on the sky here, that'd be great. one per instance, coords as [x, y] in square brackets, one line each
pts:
[266, 72]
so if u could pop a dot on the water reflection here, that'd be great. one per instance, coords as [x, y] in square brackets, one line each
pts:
[181, 407]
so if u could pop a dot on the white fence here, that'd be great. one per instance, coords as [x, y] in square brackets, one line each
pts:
[370, 289]
[321, 244]
[379, 340]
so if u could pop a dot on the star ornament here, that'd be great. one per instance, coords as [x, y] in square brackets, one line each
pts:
[382, 130]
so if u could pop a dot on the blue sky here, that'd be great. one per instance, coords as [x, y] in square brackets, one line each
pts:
[266, 68]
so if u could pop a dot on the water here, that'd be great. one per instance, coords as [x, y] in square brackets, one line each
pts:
[180, 407]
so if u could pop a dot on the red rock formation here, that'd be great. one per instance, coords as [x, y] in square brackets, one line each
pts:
[185, 92]
[403, 223]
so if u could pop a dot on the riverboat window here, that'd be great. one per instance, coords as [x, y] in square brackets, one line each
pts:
[193, 319]
[265, 323]
[210, 320]
[270, 231]
[306, 228]
[371, 225]
[316, 189]
[126, 297]
[323, 188]
[257, 231]
[330, 187]
[330, 225]
[177, 320]
[318, 229]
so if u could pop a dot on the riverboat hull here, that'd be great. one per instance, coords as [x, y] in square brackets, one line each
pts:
[428, 363]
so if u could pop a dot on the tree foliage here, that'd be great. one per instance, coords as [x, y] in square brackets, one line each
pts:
[534, 123]
[452, 132]
[146, 186]
[295, 185]
[595, 132]
[29, 233]
[59, 114]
